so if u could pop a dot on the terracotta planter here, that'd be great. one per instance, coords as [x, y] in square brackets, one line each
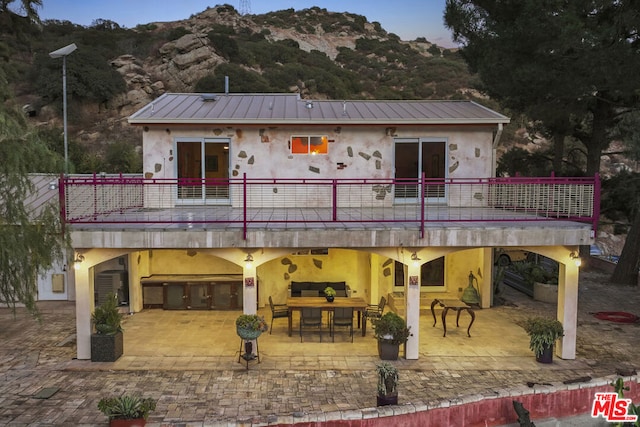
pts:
[388, 351]
[136, 422]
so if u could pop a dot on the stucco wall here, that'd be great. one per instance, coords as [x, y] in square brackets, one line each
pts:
[353, 152]
[339, 265]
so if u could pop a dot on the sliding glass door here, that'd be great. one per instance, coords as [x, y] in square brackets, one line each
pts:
[413, 156]
[203, 171]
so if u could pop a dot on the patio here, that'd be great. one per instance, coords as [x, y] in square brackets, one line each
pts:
[201, 383]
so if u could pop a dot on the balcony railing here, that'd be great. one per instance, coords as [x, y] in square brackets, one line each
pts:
[132, 199]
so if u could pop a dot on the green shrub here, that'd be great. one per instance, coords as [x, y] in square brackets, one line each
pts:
[391, 328]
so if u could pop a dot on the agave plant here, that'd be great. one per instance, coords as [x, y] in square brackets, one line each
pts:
[126, 407]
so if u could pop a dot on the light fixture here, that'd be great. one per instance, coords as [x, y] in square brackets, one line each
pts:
[248, 261]
[77, 261]
[576, 258]
[63, 53]
[53, 185]
[416, 259]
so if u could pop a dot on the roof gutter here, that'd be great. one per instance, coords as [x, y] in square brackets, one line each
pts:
[150, 121]
[496, 139]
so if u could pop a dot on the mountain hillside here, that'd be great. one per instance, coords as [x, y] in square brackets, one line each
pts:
[314, 52]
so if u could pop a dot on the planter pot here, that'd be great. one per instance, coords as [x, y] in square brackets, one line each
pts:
[387, 400]
[388, 351]
[546, 356]
[106, 348]
[330, 299]
[248, 334]
[136, 422]
[545, 292]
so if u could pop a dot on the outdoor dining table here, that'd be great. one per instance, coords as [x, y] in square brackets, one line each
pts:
[298, 303]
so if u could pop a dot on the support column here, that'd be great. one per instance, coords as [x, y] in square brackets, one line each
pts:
[249, 289]
[486, 282]
[84, 308]
[373, 293]
[412, 304]
[568, 309]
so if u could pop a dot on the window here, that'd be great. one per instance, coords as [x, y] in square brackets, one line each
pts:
[432, 273]
[309, 145]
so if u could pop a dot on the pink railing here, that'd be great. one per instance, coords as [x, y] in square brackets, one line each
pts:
[133, 199]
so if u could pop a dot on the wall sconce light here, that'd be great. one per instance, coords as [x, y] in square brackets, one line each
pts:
[53, 185]
[576, 258]
[77, 261]
[248, 261]
[416, 259]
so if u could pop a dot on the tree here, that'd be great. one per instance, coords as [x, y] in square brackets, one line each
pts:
[30, 242]
[627, 193]
[571, 65]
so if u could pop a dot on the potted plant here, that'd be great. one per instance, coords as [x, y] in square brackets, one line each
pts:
[390, 330]
[126, 410]
[107, 343]
[387, 384]
[543, 281]
[543, 333]
[250, 326]
[329, 293]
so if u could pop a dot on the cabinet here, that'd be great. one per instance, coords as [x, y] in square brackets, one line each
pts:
[193, 293]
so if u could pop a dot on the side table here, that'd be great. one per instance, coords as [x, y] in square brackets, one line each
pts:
[457, 306]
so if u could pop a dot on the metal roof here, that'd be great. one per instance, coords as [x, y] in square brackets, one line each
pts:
[277, 108]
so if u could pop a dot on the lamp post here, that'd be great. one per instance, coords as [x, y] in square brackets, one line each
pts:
[63, 53]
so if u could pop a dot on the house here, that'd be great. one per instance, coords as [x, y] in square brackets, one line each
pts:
[241, 194]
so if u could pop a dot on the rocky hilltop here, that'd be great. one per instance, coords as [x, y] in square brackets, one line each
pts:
[179, 64]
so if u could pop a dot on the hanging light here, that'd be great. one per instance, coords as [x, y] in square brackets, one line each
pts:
[77, 261]
[416, 259]
[576, 258]
[248, 261]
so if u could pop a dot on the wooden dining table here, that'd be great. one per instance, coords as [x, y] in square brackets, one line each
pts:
[357, 303]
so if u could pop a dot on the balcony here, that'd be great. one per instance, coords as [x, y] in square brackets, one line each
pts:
[133, 202]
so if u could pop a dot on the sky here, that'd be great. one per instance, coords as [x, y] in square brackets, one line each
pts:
[408, 19]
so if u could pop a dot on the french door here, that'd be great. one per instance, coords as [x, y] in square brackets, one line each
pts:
[413, 156]
[203, 170]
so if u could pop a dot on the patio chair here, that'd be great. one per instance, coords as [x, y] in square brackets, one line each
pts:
[342, 317]
[278, 311]
[374, 311]
[311, 317]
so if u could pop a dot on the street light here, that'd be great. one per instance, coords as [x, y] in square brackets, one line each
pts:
[63, 53]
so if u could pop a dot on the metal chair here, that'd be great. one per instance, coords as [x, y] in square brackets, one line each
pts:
[311, 317]
[342, 317]
[374, 311]
[277, 311]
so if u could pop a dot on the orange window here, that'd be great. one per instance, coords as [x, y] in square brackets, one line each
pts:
[309, 145]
